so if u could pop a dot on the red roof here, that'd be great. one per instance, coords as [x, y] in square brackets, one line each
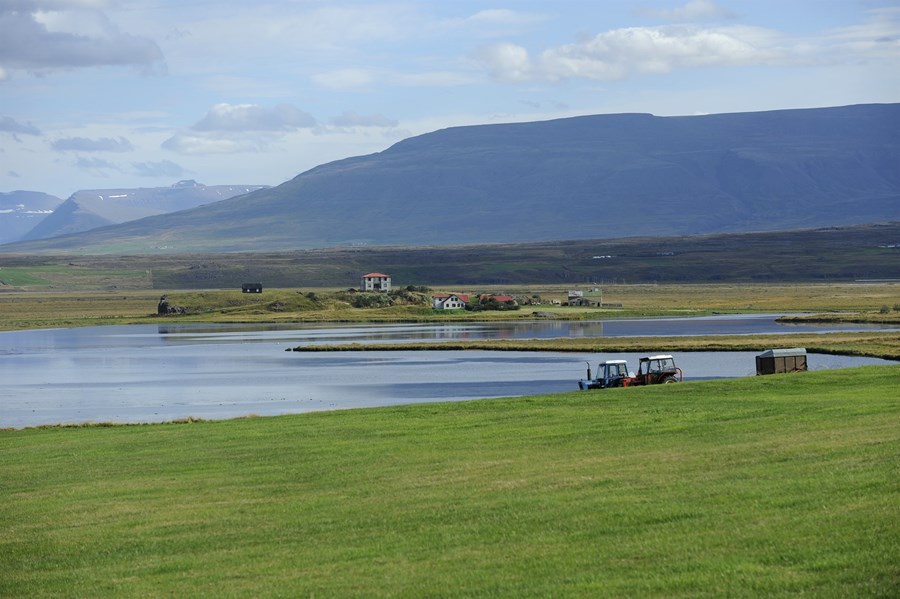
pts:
[499, 298]
[463, 296]
[375, 275]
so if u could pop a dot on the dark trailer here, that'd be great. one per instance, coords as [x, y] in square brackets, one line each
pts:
[251, 287]
[777, 361]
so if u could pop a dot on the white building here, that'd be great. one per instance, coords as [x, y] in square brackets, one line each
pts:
[376, 281]
[449, 301]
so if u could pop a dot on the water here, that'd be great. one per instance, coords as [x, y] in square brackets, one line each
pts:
[148, 373]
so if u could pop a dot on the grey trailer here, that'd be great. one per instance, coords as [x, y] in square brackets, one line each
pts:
[776, 361]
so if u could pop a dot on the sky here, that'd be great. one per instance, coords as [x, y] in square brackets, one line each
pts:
[106, 94]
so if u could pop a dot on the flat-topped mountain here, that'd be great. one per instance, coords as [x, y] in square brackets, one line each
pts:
[590, 177]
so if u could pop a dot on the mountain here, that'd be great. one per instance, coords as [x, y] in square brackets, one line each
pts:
[92, 208]
[21, 211]
[590, 177]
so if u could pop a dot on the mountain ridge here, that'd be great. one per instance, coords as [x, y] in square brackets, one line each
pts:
[21, 211]
[596, 176]
[89, 209]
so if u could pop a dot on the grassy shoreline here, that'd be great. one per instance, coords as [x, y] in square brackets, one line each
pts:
[873, 345]
[834, 302]
[831, 303]
[781, 485]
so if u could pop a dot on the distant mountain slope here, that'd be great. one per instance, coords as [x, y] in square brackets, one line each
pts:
[588, 177]
[92, 208]
[21, 211]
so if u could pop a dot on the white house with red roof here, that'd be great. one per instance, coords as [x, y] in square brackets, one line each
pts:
[376, 281]
[449, 301]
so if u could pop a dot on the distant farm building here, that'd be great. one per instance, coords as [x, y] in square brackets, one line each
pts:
[251, 288]
[376, 281]
[777, 361]
[449, 301]
[592, 298]
[500, 299]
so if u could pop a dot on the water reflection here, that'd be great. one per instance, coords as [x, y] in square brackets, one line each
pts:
[331, 333]
[156, 373]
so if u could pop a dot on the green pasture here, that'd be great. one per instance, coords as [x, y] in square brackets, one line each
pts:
[72, 277]
[768, 486]
[27, 277]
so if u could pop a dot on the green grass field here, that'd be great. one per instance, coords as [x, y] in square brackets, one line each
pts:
[766, 486]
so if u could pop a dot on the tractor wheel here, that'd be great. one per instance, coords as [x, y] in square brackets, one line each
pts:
[669, 379]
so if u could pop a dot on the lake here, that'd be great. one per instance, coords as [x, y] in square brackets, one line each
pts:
[154, 373]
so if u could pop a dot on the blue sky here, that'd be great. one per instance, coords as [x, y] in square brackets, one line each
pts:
[98, 94]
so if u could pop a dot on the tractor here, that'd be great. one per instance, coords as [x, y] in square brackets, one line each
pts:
[656, 370]
[653, 370]
[612, 373]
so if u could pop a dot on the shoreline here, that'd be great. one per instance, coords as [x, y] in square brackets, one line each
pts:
[883, 345]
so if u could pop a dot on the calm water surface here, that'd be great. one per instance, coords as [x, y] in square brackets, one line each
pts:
[149, 373]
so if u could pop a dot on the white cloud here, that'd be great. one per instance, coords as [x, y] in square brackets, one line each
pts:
[621, 53]
[507, 61]
[251, 117]
[10, 125]
[237, 128]
[163, 168]
[876, 38]
[198, 143]
[626, 52]
[79, 36]
[83, 144]
[95, 164]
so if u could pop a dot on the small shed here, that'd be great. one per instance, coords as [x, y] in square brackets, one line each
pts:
[251, 288]
[776, 361]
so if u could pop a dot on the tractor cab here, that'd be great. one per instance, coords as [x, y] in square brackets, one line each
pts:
[655, 370]
[612, 373]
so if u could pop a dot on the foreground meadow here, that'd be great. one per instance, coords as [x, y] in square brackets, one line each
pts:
[780, 485]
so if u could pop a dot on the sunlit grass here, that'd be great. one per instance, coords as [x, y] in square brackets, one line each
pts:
[780, 485]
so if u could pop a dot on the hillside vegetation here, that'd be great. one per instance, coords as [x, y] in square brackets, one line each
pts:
[766, 486]
[590, 177]
[821, 255]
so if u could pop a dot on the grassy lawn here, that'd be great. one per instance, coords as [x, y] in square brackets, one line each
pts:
[780, 485]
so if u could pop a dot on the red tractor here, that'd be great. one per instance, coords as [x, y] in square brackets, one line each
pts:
[653, 370]
[656, 370]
